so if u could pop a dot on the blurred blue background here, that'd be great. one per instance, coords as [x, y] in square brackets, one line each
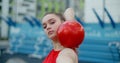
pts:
[22, 39]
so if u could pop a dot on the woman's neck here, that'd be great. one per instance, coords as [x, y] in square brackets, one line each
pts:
[57, 46]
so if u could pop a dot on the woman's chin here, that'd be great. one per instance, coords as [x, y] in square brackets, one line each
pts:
[53, 37]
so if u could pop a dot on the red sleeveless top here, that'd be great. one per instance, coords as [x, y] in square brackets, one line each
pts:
[51, 58]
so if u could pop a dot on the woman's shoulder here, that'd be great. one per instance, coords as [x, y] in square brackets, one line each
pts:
[67, 50]
[67, 55]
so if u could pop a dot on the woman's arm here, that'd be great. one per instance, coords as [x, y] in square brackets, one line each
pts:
[69, 14]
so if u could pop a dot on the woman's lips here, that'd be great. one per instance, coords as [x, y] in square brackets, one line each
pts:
[50, 32]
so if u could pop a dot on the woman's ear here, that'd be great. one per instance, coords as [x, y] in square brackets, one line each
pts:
[69, 14]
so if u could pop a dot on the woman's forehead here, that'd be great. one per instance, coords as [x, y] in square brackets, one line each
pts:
[48, 17]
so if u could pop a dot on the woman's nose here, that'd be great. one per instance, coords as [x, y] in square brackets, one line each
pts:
[48, 27]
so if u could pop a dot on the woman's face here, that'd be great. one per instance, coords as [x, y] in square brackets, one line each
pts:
[50, 24]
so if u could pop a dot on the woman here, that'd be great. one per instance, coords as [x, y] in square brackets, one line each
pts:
[59, 53]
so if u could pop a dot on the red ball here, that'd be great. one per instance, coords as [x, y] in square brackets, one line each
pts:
[70, 34]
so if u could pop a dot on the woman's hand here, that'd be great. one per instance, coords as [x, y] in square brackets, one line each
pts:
[69, 14]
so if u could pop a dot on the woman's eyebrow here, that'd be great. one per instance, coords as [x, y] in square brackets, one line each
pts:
[50, 19]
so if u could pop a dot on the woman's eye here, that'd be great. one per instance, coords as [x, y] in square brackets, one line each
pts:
[44, 26]
[52, 22]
